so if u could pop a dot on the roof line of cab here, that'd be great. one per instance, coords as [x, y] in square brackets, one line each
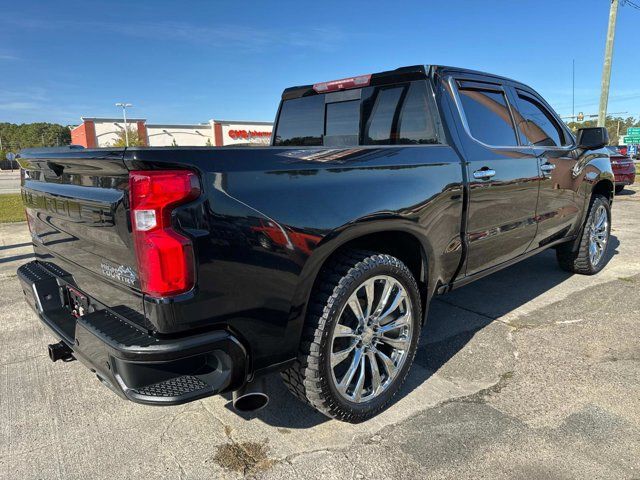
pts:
[402, 74]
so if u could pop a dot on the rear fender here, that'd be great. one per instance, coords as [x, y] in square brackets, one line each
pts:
[341, 237]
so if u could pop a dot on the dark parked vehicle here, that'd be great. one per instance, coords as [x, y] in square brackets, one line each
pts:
[624, 170]
[179, 273]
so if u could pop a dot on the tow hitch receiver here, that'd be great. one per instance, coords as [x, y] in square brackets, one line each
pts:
[60, 351]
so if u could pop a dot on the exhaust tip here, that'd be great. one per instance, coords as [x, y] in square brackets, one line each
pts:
[251, 402]
[251, 396]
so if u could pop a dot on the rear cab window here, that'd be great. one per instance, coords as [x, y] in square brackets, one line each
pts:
[396, 114]
[342, 124]
[301, 122]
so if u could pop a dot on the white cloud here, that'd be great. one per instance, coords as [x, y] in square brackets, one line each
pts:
[13, 106]
[28, 94]
[242, 37]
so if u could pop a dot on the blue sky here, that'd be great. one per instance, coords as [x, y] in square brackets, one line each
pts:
[189, 61]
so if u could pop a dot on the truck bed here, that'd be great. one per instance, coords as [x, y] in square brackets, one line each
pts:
[260, 228]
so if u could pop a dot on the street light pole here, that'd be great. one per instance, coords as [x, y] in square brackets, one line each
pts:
[124, 107]
[606, 69]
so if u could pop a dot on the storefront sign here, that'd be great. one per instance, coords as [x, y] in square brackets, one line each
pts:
[248, 134]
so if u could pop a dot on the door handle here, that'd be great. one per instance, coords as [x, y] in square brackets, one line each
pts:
[484, 173]
[547, 167]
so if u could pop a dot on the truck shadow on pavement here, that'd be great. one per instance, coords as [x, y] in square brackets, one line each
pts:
[17, 245]
[15, 258]
[452, 322]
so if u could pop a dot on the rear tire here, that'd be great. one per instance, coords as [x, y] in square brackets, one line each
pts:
[591, 255]
[351, 325]
[619, 188]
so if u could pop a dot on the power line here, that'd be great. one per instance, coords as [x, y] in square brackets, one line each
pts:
[593, 115]
[631, 4]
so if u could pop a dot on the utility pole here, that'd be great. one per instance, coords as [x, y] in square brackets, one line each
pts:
[573, 89]
[606, 69]
[124, 107]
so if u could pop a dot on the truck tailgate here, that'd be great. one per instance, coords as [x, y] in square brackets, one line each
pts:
[76, 203]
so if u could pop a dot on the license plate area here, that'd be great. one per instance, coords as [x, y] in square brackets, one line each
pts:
[76, 302]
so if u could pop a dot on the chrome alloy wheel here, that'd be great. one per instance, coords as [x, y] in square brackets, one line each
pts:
[371, 339]
[598, 235]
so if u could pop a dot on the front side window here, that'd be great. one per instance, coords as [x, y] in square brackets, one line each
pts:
[488, 116]
[536, 124]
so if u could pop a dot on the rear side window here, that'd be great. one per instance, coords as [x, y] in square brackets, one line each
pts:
[488, 116]
[399, 114]
[301, 122]
[537, 125]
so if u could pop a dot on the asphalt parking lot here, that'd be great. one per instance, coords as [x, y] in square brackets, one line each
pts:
[529, 373]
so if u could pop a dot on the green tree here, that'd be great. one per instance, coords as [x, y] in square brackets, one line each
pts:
[134, 138]
[28, 135]
[15, 137]
[616, 126]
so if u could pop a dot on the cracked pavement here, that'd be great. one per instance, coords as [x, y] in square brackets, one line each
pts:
[529, 373]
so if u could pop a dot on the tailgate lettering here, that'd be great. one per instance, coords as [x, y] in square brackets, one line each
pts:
[122, 273]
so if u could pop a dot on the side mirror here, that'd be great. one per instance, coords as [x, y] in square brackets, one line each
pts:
[592, 138]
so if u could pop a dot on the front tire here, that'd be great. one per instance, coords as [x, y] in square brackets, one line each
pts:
[619, 189]
[361, 335]
[591, 255]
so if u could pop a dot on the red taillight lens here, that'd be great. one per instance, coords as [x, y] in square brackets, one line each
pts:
[165, 258]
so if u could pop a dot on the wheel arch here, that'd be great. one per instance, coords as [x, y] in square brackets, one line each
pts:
[604, 187]
[391, 237]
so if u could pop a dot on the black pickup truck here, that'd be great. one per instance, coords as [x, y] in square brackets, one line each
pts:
[179, 273]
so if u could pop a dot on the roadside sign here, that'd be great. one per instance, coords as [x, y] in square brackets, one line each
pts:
[10, 156]
[633, 131]
[632, 150]
[634, 140]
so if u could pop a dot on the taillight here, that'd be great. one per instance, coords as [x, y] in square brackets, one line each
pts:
[165, 257]
[343, 84]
